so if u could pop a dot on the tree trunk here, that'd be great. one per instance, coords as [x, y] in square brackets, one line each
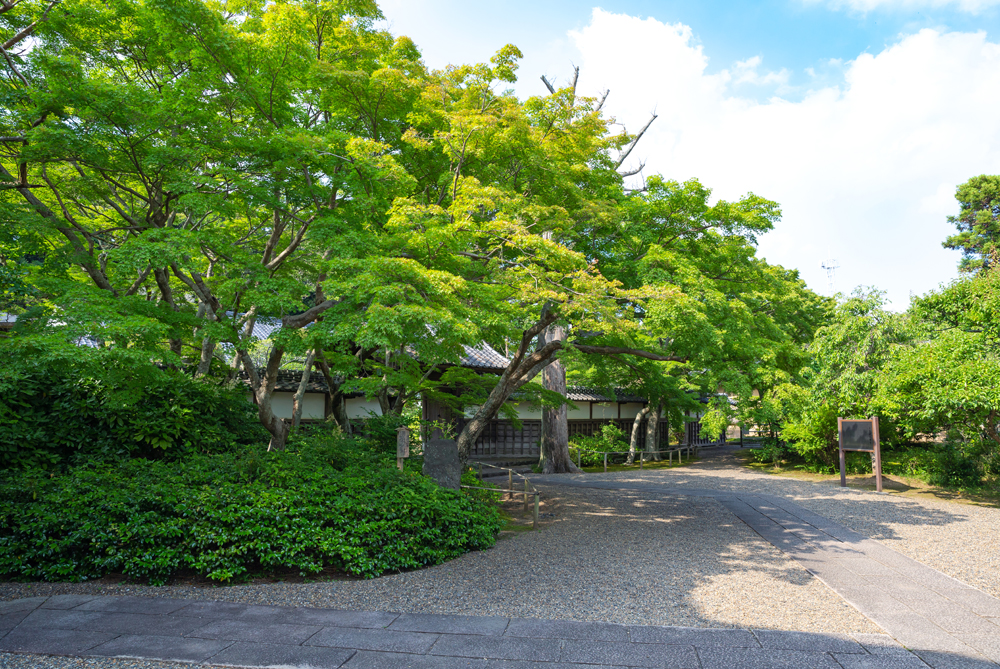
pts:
[339, 412]
[300, 392]
[263, 390]
[554, 452]
[633, 443]
[653, 433]
[163, 282]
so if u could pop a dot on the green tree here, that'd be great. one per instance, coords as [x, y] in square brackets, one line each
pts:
[978, 223]
[949, 378]
[735, 322]
[843, 377]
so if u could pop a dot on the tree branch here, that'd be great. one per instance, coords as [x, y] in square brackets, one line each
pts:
[634, 142]
[619, 350]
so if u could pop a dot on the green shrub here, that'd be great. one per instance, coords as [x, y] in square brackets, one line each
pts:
[232, 515]
[771, 451]
[610, 439]
[51, 416]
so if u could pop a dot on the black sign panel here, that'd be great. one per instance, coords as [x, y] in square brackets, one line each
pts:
[856, 435]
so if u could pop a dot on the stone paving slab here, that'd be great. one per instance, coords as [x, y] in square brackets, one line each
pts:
[631, 654]
[228, 634]
[242, 654]
[450, 624]
[567, 629]
[161, 647]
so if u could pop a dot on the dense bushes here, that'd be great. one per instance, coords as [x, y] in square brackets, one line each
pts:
[951, 464]
[231, 515]
[591, 449]
[54, 415]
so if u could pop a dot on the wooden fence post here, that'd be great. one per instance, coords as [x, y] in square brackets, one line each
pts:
[605, 463]
[526, 495]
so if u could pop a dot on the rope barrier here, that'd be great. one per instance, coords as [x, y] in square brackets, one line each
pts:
[510, 489]
[642, 455]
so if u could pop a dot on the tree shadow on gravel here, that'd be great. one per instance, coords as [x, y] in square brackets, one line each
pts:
[869, 513]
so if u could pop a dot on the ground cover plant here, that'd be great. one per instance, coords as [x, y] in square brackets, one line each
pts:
[323, 503]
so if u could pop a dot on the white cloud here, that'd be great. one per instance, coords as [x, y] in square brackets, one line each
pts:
[865, 170]
[865, 6]
[745, 72]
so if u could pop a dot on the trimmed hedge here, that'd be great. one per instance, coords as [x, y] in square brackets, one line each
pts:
[228, 517]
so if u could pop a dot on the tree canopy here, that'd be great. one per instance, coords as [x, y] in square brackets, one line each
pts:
[175, 171]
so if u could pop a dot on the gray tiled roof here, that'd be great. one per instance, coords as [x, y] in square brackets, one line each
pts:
[484, 356]
[584, 394]
[289, 379]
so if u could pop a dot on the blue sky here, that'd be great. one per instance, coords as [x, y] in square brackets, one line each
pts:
[860, 117]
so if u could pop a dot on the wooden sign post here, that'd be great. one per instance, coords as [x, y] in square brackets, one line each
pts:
[402, 445]
[860, 435]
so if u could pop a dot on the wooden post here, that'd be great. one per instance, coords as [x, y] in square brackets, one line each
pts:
[843, 456]
[642, 458]
[510, 484]
[526, 495]
[878, 455]
[605, 463]
[402, 445]
[534, 520]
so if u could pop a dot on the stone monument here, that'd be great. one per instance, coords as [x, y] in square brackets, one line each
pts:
[441, 462]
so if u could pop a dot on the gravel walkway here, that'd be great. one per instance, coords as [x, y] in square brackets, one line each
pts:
[609, 556]
[632, 558]
[958, 539]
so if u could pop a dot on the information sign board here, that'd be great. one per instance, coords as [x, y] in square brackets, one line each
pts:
[860, 435]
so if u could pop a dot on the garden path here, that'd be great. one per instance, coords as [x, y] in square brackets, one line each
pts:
[761, 523]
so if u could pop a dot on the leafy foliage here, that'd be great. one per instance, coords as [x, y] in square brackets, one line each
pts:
[978, 223]
[230, 516]
[609, 439]
[70, 412]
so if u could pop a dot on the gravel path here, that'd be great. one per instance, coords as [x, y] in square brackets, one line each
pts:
[633, 558]
[609, 556]
[958, 539]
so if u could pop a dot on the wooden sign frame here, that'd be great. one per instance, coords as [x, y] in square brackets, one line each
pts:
[875, 449]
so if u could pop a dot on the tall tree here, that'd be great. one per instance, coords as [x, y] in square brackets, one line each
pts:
[978, 224]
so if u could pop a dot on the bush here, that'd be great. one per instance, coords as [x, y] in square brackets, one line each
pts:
[55, 417]
[229, 516]
[610, 439]
[771, 451]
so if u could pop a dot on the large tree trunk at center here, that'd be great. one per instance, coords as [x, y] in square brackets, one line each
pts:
[652, 433]
[554, 452]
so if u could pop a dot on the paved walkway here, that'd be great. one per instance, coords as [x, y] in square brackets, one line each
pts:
[227, 634]
[932, 620]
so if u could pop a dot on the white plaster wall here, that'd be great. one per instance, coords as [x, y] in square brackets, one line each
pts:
[631, 409]
[529, 412]
[359, 407]
[313, 405]
[582, 412]
[605, 410]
